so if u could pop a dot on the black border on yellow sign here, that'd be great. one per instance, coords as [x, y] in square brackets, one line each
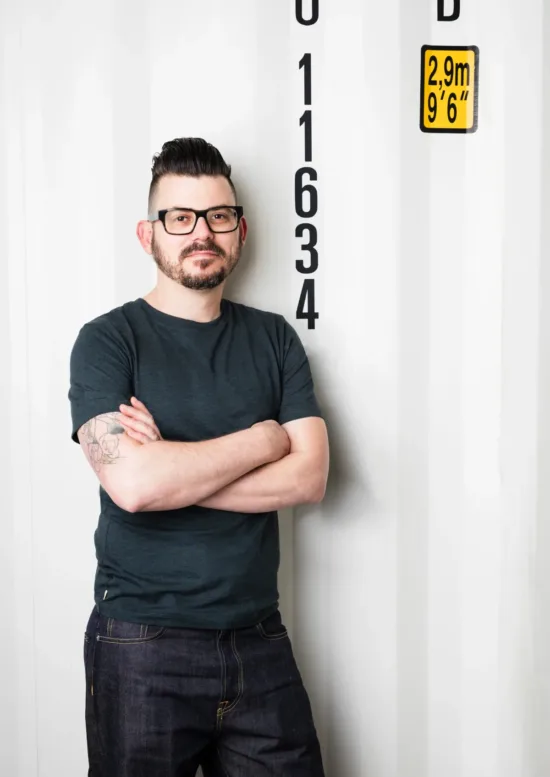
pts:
[425, 48]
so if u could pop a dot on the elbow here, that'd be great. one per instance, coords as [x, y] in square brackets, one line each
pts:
[314, 477]
[138, 496]
[133, 487]
[316, 491]
[318, 495]
[127, 495]
[129, 503]
[126, 500]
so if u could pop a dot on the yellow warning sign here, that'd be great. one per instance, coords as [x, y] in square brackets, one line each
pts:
[449, 88]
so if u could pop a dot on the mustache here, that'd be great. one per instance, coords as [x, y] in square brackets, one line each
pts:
[208, 245]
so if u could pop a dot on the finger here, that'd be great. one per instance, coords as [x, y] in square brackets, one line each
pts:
[136, 402]
[134, 413]
[138, 426]
[145, 417]
[147, 424]
[137, 436]
[149, 437]
[130, 413]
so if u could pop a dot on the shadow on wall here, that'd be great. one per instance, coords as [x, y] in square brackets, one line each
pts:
[244, 276]
[347, 475]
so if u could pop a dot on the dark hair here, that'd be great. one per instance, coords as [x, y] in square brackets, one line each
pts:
[188, 156]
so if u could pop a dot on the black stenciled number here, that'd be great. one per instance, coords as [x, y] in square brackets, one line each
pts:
[310, 246]
[305, 63]
[300, 188]
[449, 71]
[314, 12]
[306, 119]
[432, 81]
[451, 108]
[306, 304]
[432, 107]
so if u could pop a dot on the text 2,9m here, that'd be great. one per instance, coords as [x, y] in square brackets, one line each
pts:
[306, 208]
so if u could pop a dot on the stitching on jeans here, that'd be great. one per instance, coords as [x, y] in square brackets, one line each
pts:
[96, 729]
[219, 718]
[241, 674]
[130, 640]
[223, 666]
[268, 637]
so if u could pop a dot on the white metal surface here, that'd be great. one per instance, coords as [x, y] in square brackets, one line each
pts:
[418, 593]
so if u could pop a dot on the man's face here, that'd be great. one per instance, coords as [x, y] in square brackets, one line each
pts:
[202, 259]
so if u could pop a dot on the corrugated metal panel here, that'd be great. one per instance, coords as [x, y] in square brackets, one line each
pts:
[418, 591]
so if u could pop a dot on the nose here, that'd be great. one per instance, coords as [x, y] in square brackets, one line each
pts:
[202, 230]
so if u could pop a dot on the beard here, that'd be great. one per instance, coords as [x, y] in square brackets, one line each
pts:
[176, 272]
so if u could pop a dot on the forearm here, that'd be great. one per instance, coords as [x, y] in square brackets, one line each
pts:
[170, 475]
[275, 486]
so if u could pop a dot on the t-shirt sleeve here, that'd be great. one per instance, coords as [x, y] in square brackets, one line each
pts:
[298, 391]
[100, 374]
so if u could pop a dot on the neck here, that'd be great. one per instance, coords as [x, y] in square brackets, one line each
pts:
[196, 305]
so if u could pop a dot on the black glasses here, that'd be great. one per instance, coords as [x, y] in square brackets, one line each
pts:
[182, 221]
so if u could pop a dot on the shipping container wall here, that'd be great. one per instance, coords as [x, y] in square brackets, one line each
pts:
[411, 140]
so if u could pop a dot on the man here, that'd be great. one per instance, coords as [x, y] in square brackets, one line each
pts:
[198, 416]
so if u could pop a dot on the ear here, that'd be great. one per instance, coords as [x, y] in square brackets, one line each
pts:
[144, 232]
[243, 228]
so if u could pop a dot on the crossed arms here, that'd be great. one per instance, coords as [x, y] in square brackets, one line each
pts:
[263, 468]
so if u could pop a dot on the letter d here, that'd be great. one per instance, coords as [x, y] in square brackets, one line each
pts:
[441, 11]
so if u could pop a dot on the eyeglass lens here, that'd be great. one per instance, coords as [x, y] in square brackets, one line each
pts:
[182, 221]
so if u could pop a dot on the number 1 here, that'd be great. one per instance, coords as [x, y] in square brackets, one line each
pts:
[305, 63]
[306, 119]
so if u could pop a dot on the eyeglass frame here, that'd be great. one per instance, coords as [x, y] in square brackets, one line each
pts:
[160, 215]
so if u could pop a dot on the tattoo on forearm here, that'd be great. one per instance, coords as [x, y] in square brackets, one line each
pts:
[101, 436]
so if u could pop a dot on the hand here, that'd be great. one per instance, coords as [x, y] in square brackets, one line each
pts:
[138, 422]
[277, 438]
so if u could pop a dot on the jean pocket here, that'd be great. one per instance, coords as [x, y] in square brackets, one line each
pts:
[272, 628]
[126, 633]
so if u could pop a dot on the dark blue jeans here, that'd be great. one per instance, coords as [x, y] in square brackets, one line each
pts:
[162, 701]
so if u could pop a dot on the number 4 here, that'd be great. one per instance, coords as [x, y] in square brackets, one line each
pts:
[306, 303]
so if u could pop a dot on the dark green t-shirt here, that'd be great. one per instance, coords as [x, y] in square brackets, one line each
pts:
[195, 566]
